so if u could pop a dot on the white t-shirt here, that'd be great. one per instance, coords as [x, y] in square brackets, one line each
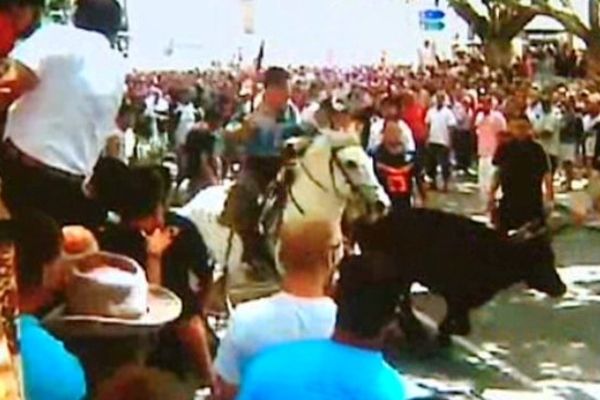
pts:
[308, 113]
[65, 120]
[427, 57]
[273, 320]
[186, 122]
[376, 135]
[588, 124]
[440, 122]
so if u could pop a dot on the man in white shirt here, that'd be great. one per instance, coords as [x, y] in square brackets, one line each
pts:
[309, 252]
[67, 85]
[440, 121]
[427, 55]
[547, 124]
[489, 123]
[591, 127]
[390, 111]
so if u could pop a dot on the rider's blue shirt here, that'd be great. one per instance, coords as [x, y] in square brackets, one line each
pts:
[269, 135]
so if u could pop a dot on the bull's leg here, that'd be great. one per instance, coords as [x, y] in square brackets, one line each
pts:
[456, 322]
[410, 324]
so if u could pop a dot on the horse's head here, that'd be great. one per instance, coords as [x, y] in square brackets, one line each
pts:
[337, 164]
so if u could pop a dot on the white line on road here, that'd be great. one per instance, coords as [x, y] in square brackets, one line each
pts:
[493, 361]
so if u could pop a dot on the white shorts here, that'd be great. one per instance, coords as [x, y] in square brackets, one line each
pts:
[567, 152]
[486, 173]
[590, 146]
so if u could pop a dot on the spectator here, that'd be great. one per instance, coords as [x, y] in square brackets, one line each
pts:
[427, 56]
[413, 113]
[546, 125]
[570, 133]
[522, 169]
[38, 240]
[351, 363]
[463, 143]
[170, 249]
[591, 126]
[137, 383]
[394, 168]
[68, 86]
[440, 121]
[390, 113]
[309, 253]
[17, 18]
[488, 123]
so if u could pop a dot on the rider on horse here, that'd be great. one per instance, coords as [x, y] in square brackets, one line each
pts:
[263, 134]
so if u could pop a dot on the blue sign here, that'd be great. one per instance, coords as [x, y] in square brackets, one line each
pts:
[433, 26]
[432, 19]
[432, 15]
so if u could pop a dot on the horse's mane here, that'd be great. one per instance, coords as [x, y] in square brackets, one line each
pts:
[339, 139]
[326, 138]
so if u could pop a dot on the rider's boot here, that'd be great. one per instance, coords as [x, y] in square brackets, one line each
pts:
[257, 255]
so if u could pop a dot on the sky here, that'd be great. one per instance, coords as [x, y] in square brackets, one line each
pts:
[190, 33]
[341, 32]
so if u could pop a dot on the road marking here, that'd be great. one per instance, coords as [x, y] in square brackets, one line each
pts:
[490, 359]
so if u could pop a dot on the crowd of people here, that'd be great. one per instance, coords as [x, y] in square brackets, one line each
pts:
[82, 137]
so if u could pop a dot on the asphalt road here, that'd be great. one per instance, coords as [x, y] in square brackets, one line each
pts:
[523, 340]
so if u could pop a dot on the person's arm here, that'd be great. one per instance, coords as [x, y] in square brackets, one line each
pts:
[193, 334]
[15, 82]
[408, 138]
[494, 186]
[549, 188]
[495, 183]
[228, 362]
[156, 244]
[427, 125]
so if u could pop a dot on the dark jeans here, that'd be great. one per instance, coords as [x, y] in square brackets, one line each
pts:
[60, 197]
[438, 154]
[514, 216]
[463, 148]
[420, 161]
[580, 150]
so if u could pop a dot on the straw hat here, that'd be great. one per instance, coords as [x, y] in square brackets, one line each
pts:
[113, 289]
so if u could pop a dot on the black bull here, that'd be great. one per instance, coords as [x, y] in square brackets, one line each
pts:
[465, 262]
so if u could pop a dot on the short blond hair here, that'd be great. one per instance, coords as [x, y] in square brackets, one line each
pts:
[308, 245]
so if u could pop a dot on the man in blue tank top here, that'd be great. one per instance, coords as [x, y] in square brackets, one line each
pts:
[262, 136]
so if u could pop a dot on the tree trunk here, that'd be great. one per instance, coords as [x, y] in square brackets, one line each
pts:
[498, 52]
[592, 58]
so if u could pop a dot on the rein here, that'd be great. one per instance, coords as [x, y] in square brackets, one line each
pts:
[334, 161]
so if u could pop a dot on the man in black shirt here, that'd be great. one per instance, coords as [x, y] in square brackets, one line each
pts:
[571, 133]
[394, 168]
[170, 249]
[523, 168]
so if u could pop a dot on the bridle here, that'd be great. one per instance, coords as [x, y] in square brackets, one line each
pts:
[334, 161]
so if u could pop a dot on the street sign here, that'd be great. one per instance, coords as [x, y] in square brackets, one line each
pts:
[433, 26]
[432, 14]
[432, 19]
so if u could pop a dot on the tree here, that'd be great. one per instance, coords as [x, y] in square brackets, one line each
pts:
[588, 31]
[497, 23]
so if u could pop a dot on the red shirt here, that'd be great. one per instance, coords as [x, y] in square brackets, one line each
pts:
[414, 116]
[8, 35]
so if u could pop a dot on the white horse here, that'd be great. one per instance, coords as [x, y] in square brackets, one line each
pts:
[332, 172]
